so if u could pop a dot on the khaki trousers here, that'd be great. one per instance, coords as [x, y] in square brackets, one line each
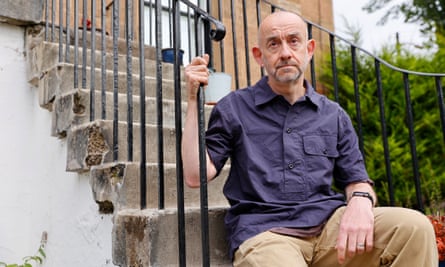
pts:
[402, 238]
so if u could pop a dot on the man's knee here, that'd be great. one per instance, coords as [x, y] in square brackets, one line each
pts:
[399, 226]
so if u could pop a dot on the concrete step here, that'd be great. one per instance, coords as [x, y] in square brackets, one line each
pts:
[72, 109]
[150, 238]
[59, 81]
[116, 186]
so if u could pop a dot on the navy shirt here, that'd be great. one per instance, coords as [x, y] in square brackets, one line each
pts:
[284, 159]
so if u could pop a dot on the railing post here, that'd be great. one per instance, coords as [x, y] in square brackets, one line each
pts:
[384, 133]
[143, 161]
[178, 129]
[412, 142]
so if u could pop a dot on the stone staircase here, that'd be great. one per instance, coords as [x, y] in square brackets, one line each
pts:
[141, 237]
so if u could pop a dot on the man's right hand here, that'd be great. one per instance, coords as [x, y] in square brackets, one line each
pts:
[196, 73]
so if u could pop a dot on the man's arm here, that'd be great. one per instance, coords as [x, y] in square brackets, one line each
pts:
[196, 73]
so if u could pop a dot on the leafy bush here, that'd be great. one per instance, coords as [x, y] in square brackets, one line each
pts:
[428, 135]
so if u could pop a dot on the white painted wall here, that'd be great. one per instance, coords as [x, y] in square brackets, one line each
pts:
[36, 194]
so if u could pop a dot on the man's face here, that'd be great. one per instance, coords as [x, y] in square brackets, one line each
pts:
[285, 50]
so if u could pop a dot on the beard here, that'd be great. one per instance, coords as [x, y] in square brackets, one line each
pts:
[287, 71]
[288, 76]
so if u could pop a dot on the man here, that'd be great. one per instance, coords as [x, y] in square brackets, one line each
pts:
[287, 146]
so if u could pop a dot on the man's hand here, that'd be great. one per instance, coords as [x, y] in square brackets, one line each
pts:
[196, 73]
[356, 232]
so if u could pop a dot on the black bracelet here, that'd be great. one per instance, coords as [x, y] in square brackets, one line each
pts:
[363, 194]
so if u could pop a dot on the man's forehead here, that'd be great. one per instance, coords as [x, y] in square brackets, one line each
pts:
[280, 34]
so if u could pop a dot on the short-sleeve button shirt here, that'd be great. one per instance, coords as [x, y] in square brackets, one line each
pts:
[284, 159]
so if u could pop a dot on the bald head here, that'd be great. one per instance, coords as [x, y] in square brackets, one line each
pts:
[278, 20]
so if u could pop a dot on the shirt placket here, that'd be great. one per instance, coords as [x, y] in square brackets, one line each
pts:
[293, 178]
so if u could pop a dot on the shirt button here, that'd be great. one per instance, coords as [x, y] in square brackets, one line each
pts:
[288, 130]
[291, 165]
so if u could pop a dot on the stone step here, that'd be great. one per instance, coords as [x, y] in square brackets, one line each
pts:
[116, 186]
[92, 144]
[45, 56]
[150, 238]
[72, 109]
[36, 35]
[59, 81]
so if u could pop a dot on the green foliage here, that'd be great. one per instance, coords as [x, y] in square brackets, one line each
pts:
[28, 261]
[430, 147]
[428, 13]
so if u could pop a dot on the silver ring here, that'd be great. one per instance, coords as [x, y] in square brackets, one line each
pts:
[360, 245]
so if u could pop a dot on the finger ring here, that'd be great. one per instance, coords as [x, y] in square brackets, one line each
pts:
[360, 245]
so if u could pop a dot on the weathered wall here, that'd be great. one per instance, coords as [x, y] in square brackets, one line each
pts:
[36, 193]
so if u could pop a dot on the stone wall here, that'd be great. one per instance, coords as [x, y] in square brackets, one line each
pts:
[21, 12]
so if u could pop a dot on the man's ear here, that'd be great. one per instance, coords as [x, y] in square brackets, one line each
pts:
[257, 55]
[310, 47]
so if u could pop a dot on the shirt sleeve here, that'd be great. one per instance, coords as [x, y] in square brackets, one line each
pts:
[350, 166]
[219, 135]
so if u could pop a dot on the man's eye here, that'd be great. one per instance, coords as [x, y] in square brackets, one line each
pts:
[294, 42]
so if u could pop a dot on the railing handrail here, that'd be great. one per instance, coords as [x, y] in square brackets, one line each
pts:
[384, 62]
[216, 34]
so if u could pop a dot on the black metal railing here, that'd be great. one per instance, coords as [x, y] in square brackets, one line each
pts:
[160, 24]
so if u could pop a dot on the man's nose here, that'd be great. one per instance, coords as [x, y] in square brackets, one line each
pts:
[285, 51]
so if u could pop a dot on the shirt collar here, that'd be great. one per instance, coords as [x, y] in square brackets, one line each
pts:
[264, 94]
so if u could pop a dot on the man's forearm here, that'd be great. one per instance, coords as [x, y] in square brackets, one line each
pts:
[190, 148]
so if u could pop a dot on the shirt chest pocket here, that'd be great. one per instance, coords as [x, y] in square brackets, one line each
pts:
[320, 145]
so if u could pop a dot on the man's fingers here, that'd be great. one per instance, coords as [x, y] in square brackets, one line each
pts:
[341, 248]
[369, 241]
[204, 60]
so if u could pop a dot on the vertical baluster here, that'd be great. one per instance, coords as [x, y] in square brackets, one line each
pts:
[178, 128]
[258, 16]
[221, 44]
[46, 19]
[412, 141]
[384, 132]
[159, 104]
[235, 50]
[53, 19]
[440, 99]
[60, 30]
[150, 22]
[189, 34]
[313, 76]
[334, 66]
[76, 44]
[67, 31]
[103, 61]
[129, 40]
[143, 161]
[116, 10]
[246, 44]
[357, 98]
[93, 61]
[202, 160]
[84, 43]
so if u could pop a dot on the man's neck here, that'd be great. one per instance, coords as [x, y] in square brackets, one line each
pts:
[290, 91]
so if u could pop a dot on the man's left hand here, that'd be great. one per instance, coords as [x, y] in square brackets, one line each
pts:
[356, 233]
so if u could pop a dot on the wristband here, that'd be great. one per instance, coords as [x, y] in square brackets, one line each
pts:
[363, 194]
